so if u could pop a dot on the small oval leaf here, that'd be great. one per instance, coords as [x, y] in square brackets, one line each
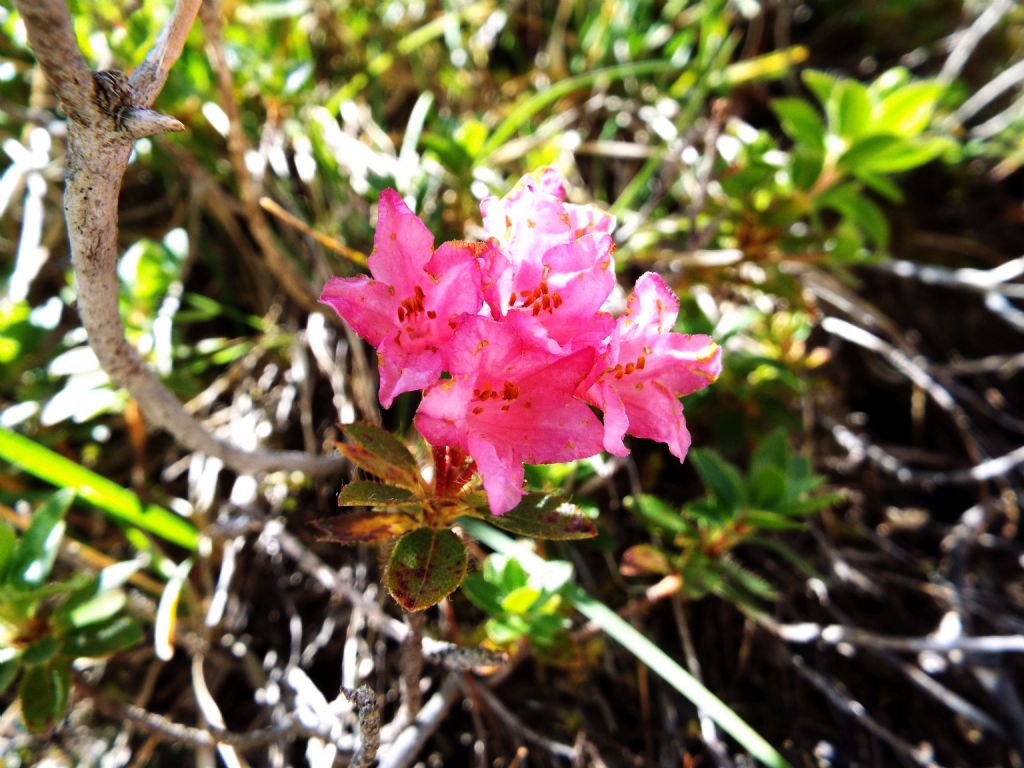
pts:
[361, 527]
[363, 493]
[39, 697]
[380, 453]
[644, 560]
[41, 651]
[8, 541]
[8, 671]
[545, 516]
[425, 567]
[89, 606]
[33, 560]
[103, 639]
[373, 464]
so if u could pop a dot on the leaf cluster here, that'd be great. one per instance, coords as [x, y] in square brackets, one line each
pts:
[523, 606]
[46, 624]
[429, 560]
[777, 493]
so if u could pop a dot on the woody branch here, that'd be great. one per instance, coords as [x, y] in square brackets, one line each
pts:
[106, 113]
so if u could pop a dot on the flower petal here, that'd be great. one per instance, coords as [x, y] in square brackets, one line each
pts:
[405, 371]
[651, 309]
[402, 245]
[366, 305]
[501, 472]
[656, 414]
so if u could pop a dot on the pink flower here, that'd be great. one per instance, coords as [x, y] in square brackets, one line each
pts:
[647, 367]
[552, 269]
[508, 403]
[409, 309]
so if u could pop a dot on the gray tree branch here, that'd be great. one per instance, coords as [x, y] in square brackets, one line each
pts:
[106, 112]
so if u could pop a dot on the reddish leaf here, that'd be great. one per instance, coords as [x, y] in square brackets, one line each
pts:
[425, 567]
[544, 516]
[377, 466]
[363, 493]
[380, 453]
[644, 560]
[360, 527]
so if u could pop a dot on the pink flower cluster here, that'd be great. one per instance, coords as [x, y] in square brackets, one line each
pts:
[517, 323]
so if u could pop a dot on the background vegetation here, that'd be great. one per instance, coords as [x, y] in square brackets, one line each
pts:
[834, 190]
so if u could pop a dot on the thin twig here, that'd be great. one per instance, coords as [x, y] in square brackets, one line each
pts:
[834, 634]
[859, 448]
[169, 730]
[368, 715]
[412, 664]
[968, 39]
[857, 711]
[274, 209]
[514, 723]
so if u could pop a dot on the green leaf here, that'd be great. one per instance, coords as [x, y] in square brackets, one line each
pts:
[8, 671]
[520, 600]
[748, 580]
[768, 520]
[361, 527]
[881, 185]
[99, 640]
[39, 696]
[656, 513]
[505, 572]
[425, 567]
[721, 479]
[117, 502]
[805, 167]
[810, 506]
[772, 451]
[644, 560]
[41, 651]
[482, 594]
[506, 629]
[908, 110]
[849, 109]
[89, 606]
[889, 81]
[97, 600]
[767, 487]
[848, 200]
[363, 493]
[380, 453]
[820, 84]
[8, 541]
[545, 516]
[33, 560]
[800, 121]
[885, 153]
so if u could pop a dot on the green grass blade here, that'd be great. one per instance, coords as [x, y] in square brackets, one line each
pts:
[531, 105]
[120, 503]
[650, 654]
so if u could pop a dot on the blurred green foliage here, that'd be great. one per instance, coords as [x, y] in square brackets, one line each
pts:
[46, 624]
[524, 606]
[697, 543]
